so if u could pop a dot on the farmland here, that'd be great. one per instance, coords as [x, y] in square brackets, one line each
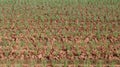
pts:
[60, 32]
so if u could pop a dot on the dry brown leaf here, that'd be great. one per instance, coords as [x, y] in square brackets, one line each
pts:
[40, 56]
[86, 40]
[0, 38]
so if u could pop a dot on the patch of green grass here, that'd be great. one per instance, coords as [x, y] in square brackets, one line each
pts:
[99, 63]
[44, 63]
[65, 63]
[87, 63]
